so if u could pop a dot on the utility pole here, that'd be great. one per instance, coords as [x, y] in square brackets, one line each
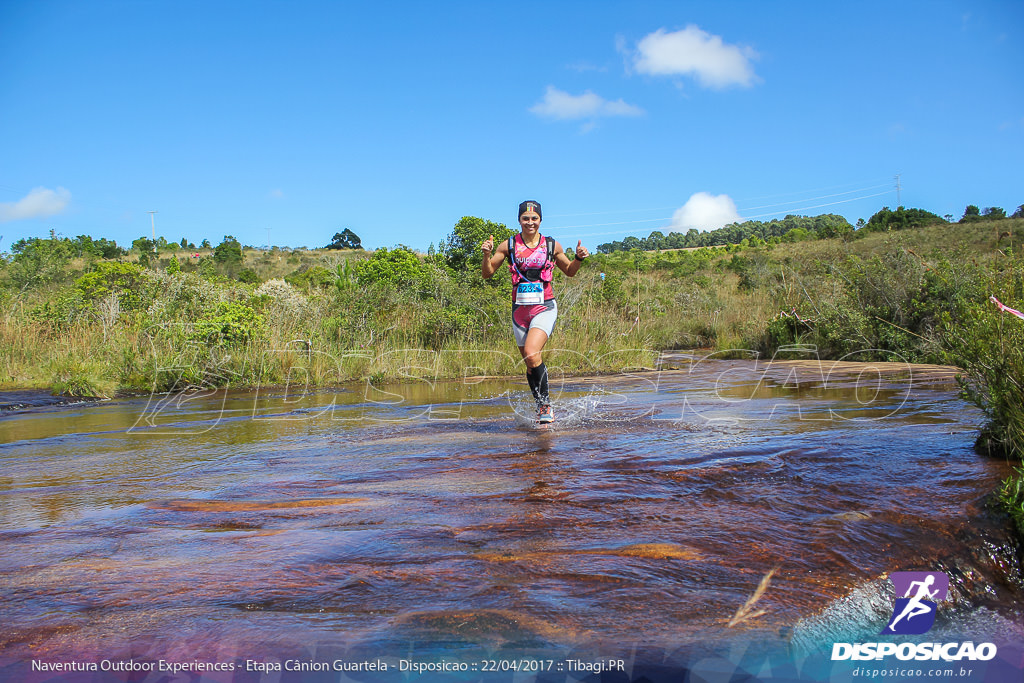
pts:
[152, 223]
[899, 202]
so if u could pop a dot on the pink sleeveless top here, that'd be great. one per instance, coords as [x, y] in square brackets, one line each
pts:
[526, 259]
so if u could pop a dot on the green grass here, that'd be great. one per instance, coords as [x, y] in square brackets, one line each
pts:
[921, 295]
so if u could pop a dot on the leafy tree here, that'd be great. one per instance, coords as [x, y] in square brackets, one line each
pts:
[205, 244]
[230, 324]
[462, 248]
[123, 279]
[84, 246]
[399, 266]
[827, 225]
[311, 278]
[38, 261]
[249, 275]
[1019, 213]
[831, 225]
[796, 235]
[147, 250]
[345, 240]
[971, 213]
[994, 213]
[228, 252]
[901, 219]
[108, 248]
[631, 243]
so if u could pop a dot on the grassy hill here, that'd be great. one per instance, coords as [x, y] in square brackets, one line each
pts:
[84, 325]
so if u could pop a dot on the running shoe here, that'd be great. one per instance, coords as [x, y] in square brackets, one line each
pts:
[545, 415]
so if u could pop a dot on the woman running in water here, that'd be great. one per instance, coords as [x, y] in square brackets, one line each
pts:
[532, 259]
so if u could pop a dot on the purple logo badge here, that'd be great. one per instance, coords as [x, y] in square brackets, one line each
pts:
[916, 596]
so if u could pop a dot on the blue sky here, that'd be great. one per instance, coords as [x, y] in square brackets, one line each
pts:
[395, 120]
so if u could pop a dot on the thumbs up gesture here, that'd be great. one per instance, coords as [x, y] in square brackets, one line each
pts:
[488, 246]
[581, 251]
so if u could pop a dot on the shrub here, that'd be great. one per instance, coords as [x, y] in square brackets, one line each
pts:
[462, 248]
[60, 311]
[228, 252]
[398, 267]
[249, 276]
[231, 324]
[901, 219]
[126, 280]
[989, 346]
[311, 278]
[442, 326]
[39, 261]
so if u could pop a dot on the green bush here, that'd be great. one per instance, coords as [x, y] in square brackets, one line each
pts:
[228, 252]
[230, 324]
[60, 310]
[206, 268]
[444, 325]
[312, 278]
[126, 280]
[900, 219]
[990, 347]
[397, 267]
[39, 261]
[249, 276]
[1010, 498]
[72, 377]
[462, 248]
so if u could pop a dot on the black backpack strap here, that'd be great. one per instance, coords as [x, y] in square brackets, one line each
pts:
[551, 248]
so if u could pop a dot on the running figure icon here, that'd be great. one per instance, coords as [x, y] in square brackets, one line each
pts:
[914, 613]
[915, 607]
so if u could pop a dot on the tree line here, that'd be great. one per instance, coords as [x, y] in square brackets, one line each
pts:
[794, 228]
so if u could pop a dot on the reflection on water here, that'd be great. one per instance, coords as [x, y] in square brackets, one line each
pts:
[434, 517]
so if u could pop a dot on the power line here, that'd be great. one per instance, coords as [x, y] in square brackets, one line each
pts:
[875, 185]
[744, 218]
[822, 189]
[811, 199]
[748, 208]
[818, 206]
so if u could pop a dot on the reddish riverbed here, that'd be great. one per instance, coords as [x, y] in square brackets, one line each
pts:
[431, 521]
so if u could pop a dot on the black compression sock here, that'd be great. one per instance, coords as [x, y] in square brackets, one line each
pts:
[538, 380]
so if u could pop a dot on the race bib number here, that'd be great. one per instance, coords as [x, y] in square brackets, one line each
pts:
[528, 293]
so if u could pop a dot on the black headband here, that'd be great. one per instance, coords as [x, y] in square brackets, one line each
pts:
[530, 205]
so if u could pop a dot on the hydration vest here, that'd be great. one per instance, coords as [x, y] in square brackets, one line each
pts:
[543, 274]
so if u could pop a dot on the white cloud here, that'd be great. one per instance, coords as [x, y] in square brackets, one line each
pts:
[705, 211]
[38, 203]
[276, 193]
[697, 53]
[560, 105]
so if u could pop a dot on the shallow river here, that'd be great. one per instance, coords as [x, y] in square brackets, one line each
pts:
[434, 523]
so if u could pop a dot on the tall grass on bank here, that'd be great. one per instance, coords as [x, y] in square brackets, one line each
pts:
[91, 326]
[142, 329]
[917, 295]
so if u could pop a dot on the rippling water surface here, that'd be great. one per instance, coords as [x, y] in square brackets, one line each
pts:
[435, 518]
